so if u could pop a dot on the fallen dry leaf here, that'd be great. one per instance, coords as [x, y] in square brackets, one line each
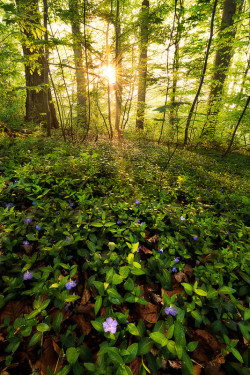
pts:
[180, 277]
[15, 309]
[150, 312]
[197, 369]
[85, 326]
[188, 270]
[210, 339]
[145, 250]
[175, 364]
[170, 293]
[135, 366]
[48, 358]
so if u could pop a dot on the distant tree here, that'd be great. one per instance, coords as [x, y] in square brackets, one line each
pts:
[142, 68]
[79, 65]
[37, 99]
[222, 61]
[118, 65]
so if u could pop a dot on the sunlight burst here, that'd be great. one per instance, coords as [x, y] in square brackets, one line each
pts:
[109, 73]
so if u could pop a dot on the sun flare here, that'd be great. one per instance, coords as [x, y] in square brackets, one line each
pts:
[108, 72]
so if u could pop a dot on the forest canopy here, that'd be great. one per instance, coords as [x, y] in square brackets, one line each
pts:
[174, 71]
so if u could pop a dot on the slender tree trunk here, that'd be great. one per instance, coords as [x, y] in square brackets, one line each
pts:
[236, 128]
[118, 64]
[222, 62]
[142, 80]
[202, 75]
[78, 56]
[35, 61]
[46, 68]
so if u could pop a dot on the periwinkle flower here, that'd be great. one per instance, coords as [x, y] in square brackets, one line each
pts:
[110, 193]
[139, 222]
[138, 249]
[137, 201]
[27, 275]
[38, 227]
[182, 218]
[227, 234]
[28, 220]
[33, 203]
[177, 259]
[171, 310]
[195, 238]
[110, 325]
[70, 284]
[16, 181]
[26, 243]
[68, 238]
[119, 222]
[8, 205]
[71, 204]
[160, 251]
[174, 269]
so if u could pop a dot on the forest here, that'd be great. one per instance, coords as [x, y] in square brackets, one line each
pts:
[124, 187]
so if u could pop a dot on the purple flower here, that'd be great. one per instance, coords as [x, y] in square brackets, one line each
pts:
[38, 227]
[182, 218]
[139, 222]
[138, 250]
[70, 284]
[8, 205]
[33, 203]
[71, 204]
[137, 202]
[177, 259]
[28, 220]
[195, 238]
[110, 193]
[26, 243]
[227, 234]
[27, 275]
[68, 238]
[160, 251]
[174, 269]
[119, 222]
[110, 325]
[171, 310]
[16, 181]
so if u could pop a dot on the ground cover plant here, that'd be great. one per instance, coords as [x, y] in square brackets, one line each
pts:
[114, 261]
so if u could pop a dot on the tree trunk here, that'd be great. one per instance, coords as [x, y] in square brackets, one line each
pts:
[35, 61]
[202, 75]
[222, 62]
[118, 65]
[78, 56]
[142, 81]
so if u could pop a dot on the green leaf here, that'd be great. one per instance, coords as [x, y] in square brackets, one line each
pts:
[200, 292]
[187, 365]
[131, 353]
[247, 314]
[145, 345]
[171, 347]
[237, 354]
[159, 338]
[97, 325]
[35, 338]
[98, 304]
[226, 290]
[124, 271]
[57, 321]
[114, 355]
[72, 355]
[90, 366]
[188, 288]
[191, 346]
[212, 293]
[117, 279]
[71, 298]
[43, 327]
[133, 329]
[64, 371]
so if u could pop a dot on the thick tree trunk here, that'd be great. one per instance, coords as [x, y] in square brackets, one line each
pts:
[221, 64]
[142, 81]
[34, 55]
[81, 85]
[118, 64]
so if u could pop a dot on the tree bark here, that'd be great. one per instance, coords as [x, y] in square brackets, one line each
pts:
[118, 65]
[202, 75]
[35, 60]
[142, 80]
[222, 61]
[236, 128]
[78, 56]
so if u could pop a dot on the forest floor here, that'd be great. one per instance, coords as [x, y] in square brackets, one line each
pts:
[157, 240]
